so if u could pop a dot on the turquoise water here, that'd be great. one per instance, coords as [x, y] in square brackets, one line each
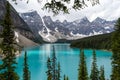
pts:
[68, 57]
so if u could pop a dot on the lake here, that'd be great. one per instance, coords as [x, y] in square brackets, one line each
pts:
[68, 58]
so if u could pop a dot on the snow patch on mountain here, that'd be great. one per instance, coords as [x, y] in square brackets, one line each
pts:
[48, 30]
[51, 31]
[47, 36]
[75, 36]
[95, 33]
[16, 36]
[56, 29]
[31, 21]
[27, 16]
[107, 27]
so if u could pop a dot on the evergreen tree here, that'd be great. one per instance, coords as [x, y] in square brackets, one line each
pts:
[94, 71]
[102, 75]
[116, 52]
[7, 69]
[66, 77]
[49, 74]
[82, 74]
[53, 72]
[26, 72]
[58, 71]
[54, 65]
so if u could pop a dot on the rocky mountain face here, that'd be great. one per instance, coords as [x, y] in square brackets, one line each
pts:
[52, 31]
[85, 27]
[19, 24]
[40, 29]
[45, 27]
[34, 22]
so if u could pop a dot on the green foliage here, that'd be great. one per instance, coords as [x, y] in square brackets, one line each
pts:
[56, 6]
[2, 77]
[78, 4]
[54, 65]
[116, 52]
[101, 74]
[49, 71]
[7, 69]
[94, 70]
[26, 72]
[66, 77]
[53, 72]
[94, 42]
[82, 70]
[58, 71]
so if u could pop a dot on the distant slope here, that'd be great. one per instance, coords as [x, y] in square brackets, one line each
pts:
[18, 22]
[97, 42]
[24, 42]
[63, 41]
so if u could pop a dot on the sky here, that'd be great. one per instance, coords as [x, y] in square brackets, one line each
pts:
[107, 9]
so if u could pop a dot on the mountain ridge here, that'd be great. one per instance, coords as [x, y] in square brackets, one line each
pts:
[102, 41]
[20, 25]
[51, 31]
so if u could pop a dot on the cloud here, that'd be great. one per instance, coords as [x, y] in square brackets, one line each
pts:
[108, 9]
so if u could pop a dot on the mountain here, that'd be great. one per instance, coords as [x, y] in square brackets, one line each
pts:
[45, 27]
[35, 24]
[20, 25]
[23, 41]
[102, 41]
[98, 26]
[52, 31]
[79, 26]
